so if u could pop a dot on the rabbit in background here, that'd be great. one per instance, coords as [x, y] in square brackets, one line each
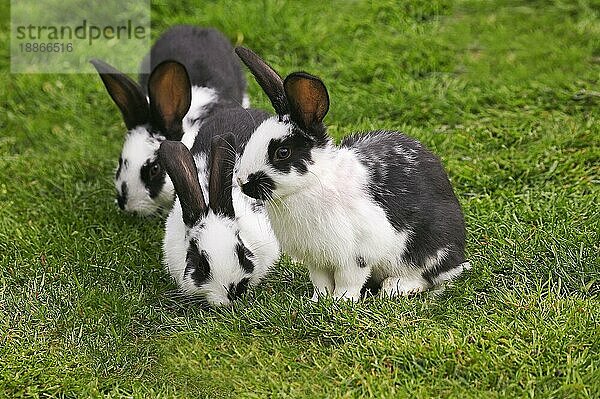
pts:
[169, 105]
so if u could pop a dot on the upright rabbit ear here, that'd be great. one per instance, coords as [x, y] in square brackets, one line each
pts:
[179, 163]
[267, 78]
[222, 152]
[126, 93]
[170, 95]
[308, 100]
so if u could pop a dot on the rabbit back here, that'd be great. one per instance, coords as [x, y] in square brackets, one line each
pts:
[410, 184]
[207, 56]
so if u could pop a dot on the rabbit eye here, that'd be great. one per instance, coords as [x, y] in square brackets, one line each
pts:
[154, 170]
[282, 153]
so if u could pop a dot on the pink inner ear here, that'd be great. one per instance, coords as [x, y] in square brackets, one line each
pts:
[172, 101]
[308, 98]
[170, 89]
[120, 95]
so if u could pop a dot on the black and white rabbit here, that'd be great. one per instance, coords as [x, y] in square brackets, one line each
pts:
[377, 208]
[215, 251]
[169, 105]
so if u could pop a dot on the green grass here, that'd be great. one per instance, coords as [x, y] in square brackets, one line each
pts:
[506, 92]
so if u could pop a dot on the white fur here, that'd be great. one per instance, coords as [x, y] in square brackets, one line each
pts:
[452, 273]
[140, 147]
[410, 154]
[218, 239]
[201, 161]
[246, 101]
[327, 219]
[202, 98]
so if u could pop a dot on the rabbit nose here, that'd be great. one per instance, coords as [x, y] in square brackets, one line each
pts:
[259, 185]
[122, 196]
[232, 293]
[121, 201]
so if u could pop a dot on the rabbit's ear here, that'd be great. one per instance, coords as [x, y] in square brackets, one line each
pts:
[179, 163]
[308, 100]
[222, 153]
[170, 95]
[267, 78]
[126, 93]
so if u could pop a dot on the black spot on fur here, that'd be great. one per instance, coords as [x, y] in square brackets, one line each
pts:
[360, 261]
[244, 256]
[122, 196]
[299, 146]
[410, 184]
[259, 186]
[197, 264]
[153, 182]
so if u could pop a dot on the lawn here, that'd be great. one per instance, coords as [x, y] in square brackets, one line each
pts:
[507, 93]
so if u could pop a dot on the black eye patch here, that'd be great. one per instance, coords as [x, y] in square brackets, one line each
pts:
[154, 182]
[197, 264]
[244, 255]
[297, 148]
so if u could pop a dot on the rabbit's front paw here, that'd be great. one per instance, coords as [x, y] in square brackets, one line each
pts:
[347, 295]
[397, 286]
